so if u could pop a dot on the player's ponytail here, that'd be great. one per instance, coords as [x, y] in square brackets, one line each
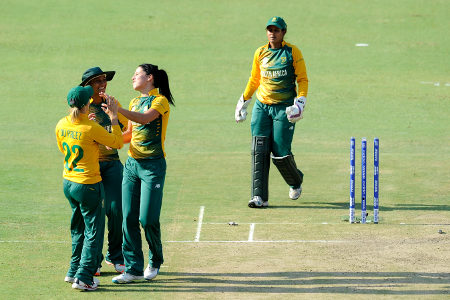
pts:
[161, 80]
[74, 113]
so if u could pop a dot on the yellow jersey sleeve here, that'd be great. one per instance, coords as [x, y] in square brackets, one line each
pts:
[161, 105]
[300, 72]
[103, 137]
[255, 76]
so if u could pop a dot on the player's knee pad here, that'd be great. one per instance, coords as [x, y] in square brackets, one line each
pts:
[260, 166]
[288, 169]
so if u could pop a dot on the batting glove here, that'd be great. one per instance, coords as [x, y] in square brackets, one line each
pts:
[241, 109]
[295, 112]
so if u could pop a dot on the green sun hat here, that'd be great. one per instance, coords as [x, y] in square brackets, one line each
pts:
[79, 96]
[278, 22]
[91, 73]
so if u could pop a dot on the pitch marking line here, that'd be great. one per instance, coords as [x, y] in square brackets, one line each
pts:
[199, 225]
[205, 242]
[250, 232]
[435, 83]
[274, 241]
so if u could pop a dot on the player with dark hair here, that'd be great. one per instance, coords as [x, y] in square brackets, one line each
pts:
[277, 67]
[78, 138]
[111, 168]
[144, 172]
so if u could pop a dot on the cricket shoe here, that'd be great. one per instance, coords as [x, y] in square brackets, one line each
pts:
[97, 273]
[69, 279]
[294, 194]
[150, 273]
[120, 268]
[127, 278]
[256, 202]
[80, 285]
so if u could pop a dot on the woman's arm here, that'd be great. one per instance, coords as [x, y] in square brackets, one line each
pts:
[255, 77]
[126, 135]
[141, 118]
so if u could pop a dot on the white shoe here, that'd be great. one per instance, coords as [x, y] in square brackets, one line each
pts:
[98, 272]
[294, 194]
[150, 273]
[69, 279]
[256, 201]
[78, 284]
[120, 268]
[127, 278]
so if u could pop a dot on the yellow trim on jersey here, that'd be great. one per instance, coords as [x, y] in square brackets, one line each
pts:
[256, 80]
[147, 140]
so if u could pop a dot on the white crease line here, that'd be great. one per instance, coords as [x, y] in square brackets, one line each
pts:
[210, 242]
[51, 242]
[435, 83]
[250, 233]
[241, 223]
[199, 225]
[275, 241]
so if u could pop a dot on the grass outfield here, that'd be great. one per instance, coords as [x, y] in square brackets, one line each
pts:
[397, 89]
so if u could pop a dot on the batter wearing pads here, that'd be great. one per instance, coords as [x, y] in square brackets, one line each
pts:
[277, 67]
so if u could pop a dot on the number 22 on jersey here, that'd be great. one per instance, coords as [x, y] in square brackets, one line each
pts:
[73, 156]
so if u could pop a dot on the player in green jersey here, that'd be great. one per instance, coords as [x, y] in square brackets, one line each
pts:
[144, 172]
[279, 76]
[111, 168]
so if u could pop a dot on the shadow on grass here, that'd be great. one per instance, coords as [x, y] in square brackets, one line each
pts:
[363, 283]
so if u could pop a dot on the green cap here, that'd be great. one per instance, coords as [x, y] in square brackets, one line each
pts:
[278, 22]
[79, 96]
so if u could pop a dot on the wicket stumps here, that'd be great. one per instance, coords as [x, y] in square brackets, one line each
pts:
[376, 145]
[376, 182]
[363, 180]
[352, 180]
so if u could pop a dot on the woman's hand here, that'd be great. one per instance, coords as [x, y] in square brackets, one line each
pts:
[110, 108]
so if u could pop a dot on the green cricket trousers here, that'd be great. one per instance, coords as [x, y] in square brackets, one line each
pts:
[111, 173]
[271, 121]
[142, 192]
[86, 227]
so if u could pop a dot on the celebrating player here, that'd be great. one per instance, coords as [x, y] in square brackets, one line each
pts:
[144, 172]
[78, 138]
[111, 168]
[276, 67]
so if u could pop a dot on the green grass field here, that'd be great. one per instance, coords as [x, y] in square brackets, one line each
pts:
[397, 88]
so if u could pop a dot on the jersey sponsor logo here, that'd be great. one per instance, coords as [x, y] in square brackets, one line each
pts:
[76, 135]
[274, 74]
